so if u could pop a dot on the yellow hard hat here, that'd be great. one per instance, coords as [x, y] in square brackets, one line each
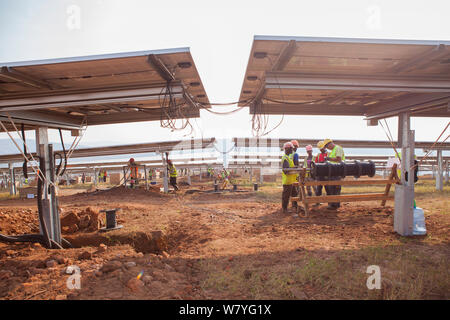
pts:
[326, 141]
[320, 145]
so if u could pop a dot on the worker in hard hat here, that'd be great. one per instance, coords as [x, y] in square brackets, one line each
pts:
[172, 174]
[320, 158]
[134, 171]
[294, 154]
[336, 155]
[307, 164]
[288, 178]
[225, 176]
[295, 158]
[399, 168]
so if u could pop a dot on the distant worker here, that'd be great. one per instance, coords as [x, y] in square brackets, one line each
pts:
[336, 155]
[225, 175]
[307, 164]
[210, 172]
[83, 178]
[294, 153]
[294, 157]
[150, 174]
[172, 174]
[399, 168]
[288, 178]
[134, 171]
[105, 175]
[320, 158]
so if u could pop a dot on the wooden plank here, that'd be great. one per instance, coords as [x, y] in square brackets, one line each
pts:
[350, 182]
[392, 176]
[346, 198]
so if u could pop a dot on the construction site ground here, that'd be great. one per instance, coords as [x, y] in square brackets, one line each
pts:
[231, 245]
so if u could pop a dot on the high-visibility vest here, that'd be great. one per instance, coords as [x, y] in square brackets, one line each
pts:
[133, 171]
[305, 165]
[399, 170]
[288, 179]
[333, 154]
[320, 157]
[172, 171]
[291, 156]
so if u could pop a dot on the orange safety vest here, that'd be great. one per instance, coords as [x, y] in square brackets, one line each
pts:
[320, 157]
[134, 171]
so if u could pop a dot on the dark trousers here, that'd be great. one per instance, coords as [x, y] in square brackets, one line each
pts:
[289, 190]
[173, 183]
[318, 189]
[309, 188]
[334, 190]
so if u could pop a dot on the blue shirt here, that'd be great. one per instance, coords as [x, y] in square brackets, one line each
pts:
[296, 159]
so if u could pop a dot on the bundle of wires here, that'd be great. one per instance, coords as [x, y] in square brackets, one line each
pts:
[171, 111]
[43, 238]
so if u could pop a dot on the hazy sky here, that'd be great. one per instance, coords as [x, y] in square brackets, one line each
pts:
[220, 35]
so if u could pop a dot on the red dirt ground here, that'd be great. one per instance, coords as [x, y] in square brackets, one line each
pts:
[182, 242]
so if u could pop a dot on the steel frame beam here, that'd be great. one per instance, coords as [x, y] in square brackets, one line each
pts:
[12, 74]
[82, 99]
[126, 149]
[285, 55]
[310, 109]
[416, 104]
[268, 142]
[160, 67]
[289, 80]
[39, 118]
[422, 59]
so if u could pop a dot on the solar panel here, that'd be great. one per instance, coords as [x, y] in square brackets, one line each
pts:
[334, 76]
[102, 89]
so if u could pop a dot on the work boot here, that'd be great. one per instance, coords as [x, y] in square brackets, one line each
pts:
[316, 204]
[285, 210]
[331, 208]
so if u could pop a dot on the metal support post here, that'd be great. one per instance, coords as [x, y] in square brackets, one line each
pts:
[189, 177]
[261, 178]
[440, 172]
[12, 179]
[95, 177]
[48, 197]
[146, 177]
[446, 172]
[404, 192]
[165, 178]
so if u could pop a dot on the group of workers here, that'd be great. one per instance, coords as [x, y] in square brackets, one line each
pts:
[328, 152]
[102, 175]
[134, 173]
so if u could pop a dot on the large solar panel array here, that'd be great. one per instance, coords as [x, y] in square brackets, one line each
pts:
[333, 76]
[102, 89]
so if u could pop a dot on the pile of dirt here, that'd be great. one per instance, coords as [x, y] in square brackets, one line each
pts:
[18, 221]
[86, 220]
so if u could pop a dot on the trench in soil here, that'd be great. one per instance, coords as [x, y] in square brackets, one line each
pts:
[145, 242]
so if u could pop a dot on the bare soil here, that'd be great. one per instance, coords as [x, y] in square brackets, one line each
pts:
[227, 245]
